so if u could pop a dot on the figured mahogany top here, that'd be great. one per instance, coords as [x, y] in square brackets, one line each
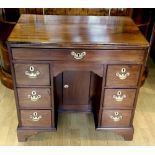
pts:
[62, 31]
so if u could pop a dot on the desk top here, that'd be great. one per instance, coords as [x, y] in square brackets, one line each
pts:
[63, 31]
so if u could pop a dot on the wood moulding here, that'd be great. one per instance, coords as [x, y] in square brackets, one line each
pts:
[126, 133]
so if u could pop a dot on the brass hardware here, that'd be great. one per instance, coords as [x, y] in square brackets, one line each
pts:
[34, 97]
[35, 117]
[78, 55]
[116, 117]
[119, 97]
[66, 86]
[31, 73]
[123, 74]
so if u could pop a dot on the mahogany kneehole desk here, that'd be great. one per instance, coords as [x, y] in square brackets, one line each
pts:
[76, 63]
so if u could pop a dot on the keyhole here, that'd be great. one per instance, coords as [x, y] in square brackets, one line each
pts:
[35, 114]
[33, 92]
[31, 68]
[123, 70]
[119, 93]
[116, 113]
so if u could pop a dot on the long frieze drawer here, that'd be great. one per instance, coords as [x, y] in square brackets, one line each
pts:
[34, 97]
[119, 98]
[78, 54]
[116, 118]
[122, 75]
[36, 118]
[32, 74]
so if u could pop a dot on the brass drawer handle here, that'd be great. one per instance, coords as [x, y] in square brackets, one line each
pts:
[116, 117]
[123, 74]
[34, 117]
[31, 73]
[119, 97]
[78, 55]
[34, 97]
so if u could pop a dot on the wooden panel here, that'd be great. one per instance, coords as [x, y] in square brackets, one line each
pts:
[75, 108]
[41, 70]
[62, 31]
[120, 12]
[77, 11]
[44, 117]
[95, 95]
[122, 118]
[58, 89]
[122, 75]
[103, 56]
[34, 97]
[59, 67]
[76, 87]
[31, 10]
[119, 98]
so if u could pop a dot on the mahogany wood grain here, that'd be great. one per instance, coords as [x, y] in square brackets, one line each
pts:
[42, 78]
[131, 80]
[101, 56]
[23, 133]
[77, 92]
[78, 11]
[107, 121]
[44, 121]
[70, 30]
[112, 45]
[61, 66]
[111, 102]
[58, 90]
[96, 95]
[43, 101]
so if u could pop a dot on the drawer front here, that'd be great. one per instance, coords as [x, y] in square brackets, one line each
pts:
[122, 75]
[36, 118]
[119, 98]
[32, 74]
[34, 97]
[116, 118]
[78, 54]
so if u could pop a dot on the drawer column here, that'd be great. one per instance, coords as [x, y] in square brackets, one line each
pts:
[35, 100]
[119, 98]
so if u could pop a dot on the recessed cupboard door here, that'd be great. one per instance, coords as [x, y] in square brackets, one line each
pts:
[76, 89]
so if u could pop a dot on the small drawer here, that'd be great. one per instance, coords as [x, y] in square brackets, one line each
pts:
[34, 97]
[119, 98]
[122, 75]
[32, 74]
[36, 118]
[116, 118]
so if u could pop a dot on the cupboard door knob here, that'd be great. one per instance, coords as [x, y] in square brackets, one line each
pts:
[34, 97]
[119, 97]
[66, 86]
[78, 55]
[122, 74]
[116, 117]
[34, 117]
[31, 73]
